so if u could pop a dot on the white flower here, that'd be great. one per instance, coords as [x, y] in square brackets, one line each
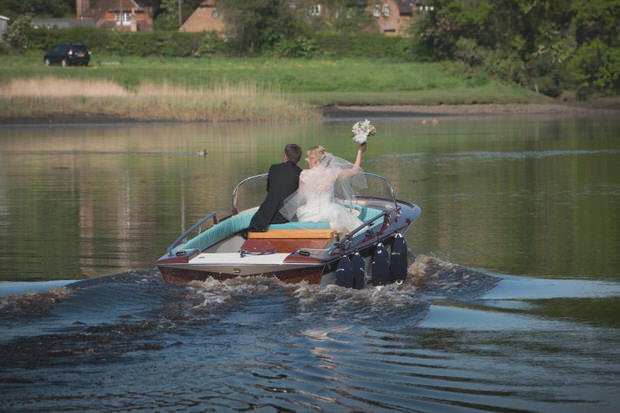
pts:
[361, 131]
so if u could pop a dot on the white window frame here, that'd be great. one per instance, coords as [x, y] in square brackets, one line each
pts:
[315, 10]
[386, 10]
[127, 18]
[376, 11]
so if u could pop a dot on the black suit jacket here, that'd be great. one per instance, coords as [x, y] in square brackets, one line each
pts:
[282, 181]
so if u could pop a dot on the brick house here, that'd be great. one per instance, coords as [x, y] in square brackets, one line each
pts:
[205, 18]
[128, 15]
[392, 16]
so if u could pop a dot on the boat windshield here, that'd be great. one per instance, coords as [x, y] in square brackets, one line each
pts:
[251, 192]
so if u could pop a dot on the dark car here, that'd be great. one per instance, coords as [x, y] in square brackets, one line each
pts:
[68, 54]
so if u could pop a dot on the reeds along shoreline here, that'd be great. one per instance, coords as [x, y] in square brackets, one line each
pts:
[50, 96]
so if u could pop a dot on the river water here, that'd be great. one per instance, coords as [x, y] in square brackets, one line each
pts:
[511, 304]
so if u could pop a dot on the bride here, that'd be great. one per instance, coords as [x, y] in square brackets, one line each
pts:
[315, 200]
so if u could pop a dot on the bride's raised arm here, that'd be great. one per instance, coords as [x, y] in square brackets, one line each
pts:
[347, 173]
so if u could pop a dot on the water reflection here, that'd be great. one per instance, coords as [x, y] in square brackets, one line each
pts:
[535, 197]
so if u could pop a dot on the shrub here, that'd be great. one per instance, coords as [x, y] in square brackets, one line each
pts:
[301, 46]
[17, 33]
[363, 45]
[596, 68]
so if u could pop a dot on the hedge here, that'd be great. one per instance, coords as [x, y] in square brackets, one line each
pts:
[120, 43]
[182, 44]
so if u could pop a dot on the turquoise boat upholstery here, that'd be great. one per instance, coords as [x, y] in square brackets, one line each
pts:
[241, 222]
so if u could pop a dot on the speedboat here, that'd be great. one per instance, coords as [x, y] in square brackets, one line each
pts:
[375, 252]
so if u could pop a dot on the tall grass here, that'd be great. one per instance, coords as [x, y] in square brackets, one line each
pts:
[51, 96]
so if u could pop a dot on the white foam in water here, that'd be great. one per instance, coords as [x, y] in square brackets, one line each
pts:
[20, 287]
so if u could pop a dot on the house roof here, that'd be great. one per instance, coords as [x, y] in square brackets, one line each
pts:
[103, 6]
[4, 18]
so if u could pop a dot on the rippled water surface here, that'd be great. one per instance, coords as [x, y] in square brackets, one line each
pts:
[512, 302]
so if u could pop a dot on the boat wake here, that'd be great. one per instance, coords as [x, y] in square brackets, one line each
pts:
[314, 348]
[429, 279]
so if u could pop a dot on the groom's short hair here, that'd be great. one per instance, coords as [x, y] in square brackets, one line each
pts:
[292, 152]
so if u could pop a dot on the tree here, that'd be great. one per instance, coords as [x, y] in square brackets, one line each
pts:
[167, 12]
[41, 8]
[257, 25]
[17, 33]
[539, 44]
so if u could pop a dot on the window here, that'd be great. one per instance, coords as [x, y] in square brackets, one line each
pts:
[315, 10]
[376, 11]
[386, 10]
[215, 14]
[126, 18]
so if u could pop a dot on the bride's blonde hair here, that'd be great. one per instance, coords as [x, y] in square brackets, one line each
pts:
[316, 152]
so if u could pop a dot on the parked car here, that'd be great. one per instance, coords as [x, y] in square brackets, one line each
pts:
[68, 54]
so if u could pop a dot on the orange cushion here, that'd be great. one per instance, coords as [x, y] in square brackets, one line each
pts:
[293, 233]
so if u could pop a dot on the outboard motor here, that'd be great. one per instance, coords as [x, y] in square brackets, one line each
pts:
[359, 270]
[398, 259]
[380, 266]
[344, 273]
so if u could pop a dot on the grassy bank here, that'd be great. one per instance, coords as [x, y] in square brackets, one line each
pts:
[52, 96]
[225, 89]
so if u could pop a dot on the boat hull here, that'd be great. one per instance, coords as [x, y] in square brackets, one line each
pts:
[315, 266]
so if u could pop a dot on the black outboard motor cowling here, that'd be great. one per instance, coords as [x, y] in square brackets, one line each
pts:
[359, 270]
[398, 259]
[380, 265]
[344, 273]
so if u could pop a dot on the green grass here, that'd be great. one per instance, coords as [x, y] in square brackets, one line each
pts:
[239, 88]
[320, 81]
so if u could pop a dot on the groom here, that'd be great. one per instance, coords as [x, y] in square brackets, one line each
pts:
[282, 181]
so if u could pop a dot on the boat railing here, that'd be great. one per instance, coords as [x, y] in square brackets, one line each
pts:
[184, 236]
[342, 244]
[235, 193]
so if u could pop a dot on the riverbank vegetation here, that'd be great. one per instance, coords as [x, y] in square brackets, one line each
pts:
[53, 97]
[237, 88]
[560, 48]
[551, 46]
[276, 58]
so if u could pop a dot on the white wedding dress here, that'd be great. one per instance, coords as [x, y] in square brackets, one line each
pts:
[314, 201]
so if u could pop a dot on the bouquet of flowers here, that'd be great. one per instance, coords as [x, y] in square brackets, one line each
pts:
[362, 130]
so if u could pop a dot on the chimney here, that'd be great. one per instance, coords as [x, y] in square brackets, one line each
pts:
[80, 7]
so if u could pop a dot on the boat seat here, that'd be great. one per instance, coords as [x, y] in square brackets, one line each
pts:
[293, 234]
[240, 222]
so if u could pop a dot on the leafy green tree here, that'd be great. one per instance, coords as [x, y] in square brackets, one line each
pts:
[166, 12]
[257, 25]
[39, 8]
[17, 33]
[540, 44]
[168, 17]
[596, 69]
[596, 19]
